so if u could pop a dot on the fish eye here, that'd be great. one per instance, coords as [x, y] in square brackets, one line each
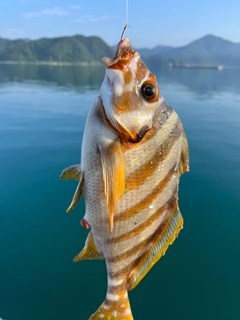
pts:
[149, 91]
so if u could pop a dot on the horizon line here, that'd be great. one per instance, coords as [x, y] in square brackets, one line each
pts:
[78, 34]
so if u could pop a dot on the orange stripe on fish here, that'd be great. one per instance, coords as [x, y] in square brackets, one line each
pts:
[140, 248]
[139, 176]
[148, 200]
[169, 204]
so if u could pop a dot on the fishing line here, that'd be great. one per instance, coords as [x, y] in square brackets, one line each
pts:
[126, 23]
[126, 11]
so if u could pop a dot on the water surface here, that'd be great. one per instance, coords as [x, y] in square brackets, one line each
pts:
[42, 115]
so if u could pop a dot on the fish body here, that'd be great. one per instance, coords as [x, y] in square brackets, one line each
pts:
[134, 150]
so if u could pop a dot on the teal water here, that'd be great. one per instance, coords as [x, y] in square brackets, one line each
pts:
[42, 114]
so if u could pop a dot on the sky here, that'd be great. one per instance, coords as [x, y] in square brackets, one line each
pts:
[152, 22]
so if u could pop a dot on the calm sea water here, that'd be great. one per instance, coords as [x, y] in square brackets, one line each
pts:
[42, 114]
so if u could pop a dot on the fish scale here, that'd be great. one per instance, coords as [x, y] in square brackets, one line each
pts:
[134, 151]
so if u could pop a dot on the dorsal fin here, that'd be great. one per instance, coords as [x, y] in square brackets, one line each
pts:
[113, 175]
[73, 172]
[157, 249]
[184, 161]
[89, 252]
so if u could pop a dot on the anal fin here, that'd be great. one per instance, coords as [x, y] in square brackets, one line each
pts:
[168, 234]
[89, 252]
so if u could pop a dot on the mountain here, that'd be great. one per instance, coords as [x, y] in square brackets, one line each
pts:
[155, 51]
[209, 50]
[77, 49]
[6, 44]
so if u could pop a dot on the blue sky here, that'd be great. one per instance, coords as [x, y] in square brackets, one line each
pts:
[153, 22]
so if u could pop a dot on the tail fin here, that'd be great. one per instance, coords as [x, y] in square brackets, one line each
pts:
[114, 308]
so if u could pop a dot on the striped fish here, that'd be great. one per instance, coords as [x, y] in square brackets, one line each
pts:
[134, 150]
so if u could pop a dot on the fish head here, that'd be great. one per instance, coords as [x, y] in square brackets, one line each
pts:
[129, 93]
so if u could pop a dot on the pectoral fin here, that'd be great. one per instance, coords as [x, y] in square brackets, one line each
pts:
[113, 175]
[73, 172]
[78, 193]
[157, 249]
[89, 252]
[184, 164]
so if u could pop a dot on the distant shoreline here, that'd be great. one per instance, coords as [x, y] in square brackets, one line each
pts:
[186, 66]
[53, 63]
[96, 63]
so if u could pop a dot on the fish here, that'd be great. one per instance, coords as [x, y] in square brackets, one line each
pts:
[133, 152]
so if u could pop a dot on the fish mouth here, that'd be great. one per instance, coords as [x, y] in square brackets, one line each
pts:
[124, 49]
[124, 53]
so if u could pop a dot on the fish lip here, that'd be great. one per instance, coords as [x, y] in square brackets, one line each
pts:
[123, 46]
[124, 50]
[124, 53]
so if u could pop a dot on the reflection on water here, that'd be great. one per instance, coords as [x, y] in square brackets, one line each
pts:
[205, 81]
[199, 81]
[62, 75]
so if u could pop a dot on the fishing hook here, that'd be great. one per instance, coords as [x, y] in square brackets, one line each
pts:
[124, 30]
